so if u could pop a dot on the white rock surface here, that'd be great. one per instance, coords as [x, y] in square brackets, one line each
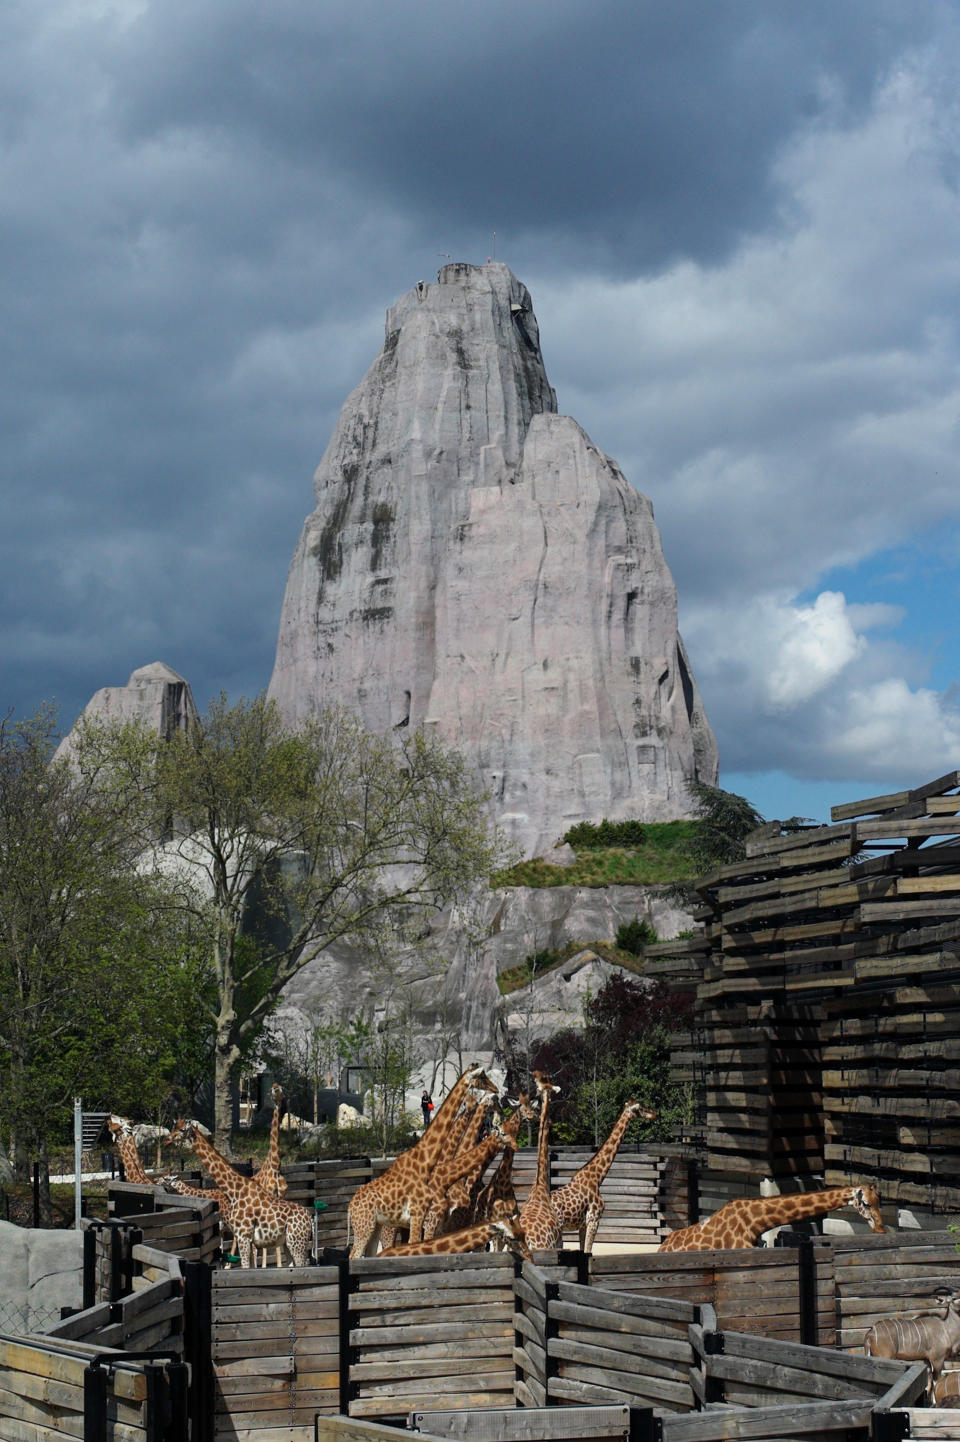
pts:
[463, 999]
[154, 694]
[40, 1272]
[475, 564]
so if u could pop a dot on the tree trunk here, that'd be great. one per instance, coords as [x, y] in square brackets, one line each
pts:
[223, 1098]
[46, 1205]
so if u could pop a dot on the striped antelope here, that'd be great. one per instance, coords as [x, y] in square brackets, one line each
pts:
[946, 1391]
[929, 1337]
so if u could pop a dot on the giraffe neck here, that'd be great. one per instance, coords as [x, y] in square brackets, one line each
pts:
[132, 1164]
[472, 1129]
[466, 1162]
[543, 1143]
[501, 1176]
[596, 1169]
[803, 1204]
[427, 1151]
[218, 1167]
[273, 1155]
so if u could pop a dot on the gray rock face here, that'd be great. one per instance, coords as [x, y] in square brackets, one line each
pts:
[155, 694]
[42, 1271]
[476, 565]
[504, 927]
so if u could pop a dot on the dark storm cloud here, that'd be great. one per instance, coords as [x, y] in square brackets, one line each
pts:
[637, 131]
[736, 217]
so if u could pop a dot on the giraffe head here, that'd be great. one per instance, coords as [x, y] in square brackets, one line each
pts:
[523, 1105]
[184, 1130]
[543, 1084]
[866, 1201]
[513, 1238]
[636, 1111]
[119, 1126]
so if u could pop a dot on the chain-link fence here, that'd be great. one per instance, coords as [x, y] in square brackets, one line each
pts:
[21, 1318]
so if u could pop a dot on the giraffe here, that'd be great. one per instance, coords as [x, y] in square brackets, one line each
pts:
[498, 1198]
[499, 1190]
[269, 1177]
[468, 1239]
[542, 1223]
[463, 1136]
[258, 1220]
[174, 1183]
[579, 1202]
[401, 1195]
[448, 1185]
[741, 1222]
[122, 1132]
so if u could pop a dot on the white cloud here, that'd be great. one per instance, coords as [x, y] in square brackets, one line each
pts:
[802, 688]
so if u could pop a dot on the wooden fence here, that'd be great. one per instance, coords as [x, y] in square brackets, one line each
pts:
[275, 1351]
[828, 1007]
[429, 1332]
[665, 1334]
[878, 1276]
[55, 1387]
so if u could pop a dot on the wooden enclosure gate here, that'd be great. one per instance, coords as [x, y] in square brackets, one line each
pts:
[275, 1350]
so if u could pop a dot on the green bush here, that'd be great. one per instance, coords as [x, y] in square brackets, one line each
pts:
[607, 833]
[634, 935]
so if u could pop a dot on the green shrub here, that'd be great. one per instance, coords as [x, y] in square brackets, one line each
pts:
[607, 833]
[634, 935]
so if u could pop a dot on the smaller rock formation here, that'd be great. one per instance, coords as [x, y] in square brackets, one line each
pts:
[155, 694]
[42, 1272]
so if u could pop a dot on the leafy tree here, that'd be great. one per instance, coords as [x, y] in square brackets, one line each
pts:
[97, 992]
[726, 821]
[621, 1052]
[634, 935]
[287, 839]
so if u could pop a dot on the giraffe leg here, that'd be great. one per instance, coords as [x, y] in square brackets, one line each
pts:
[588, 1231]
[244, 1242]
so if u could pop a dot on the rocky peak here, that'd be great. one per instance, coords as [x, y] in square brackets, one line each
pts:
[154, 694]
[476, 565]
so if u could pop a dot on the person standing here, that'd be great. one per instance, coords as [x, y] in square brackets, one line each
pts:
[426, 1106]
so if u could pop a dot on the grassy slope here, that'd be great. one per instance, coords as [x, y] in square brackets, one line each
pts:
[662, 858]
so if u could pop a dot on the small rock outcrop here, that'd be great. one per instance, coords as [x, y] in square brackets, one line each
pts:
[476, 565]
[42, 1272]
[154, 694]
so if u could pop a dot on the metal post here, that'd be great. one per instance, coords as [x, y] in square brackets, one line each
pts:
[95, 1401]
[77, 1157]
[197, 1344]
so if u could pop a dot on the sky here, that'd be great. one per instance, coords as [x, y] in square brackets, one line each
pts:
[739, 221]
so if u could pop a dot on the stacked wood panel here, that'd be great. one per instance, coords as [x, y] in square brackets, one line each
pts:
[430, 1332]
[56, 1388]
[755, 1290]
[828, 1003]
[275, 1348]
[605, 1346]
[890, 1275]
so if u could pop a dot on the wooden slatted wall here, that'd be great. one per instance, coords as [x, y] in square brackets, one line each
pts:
[756, 1290]
[275, 1347]
[828, 1000]
[430, 1332]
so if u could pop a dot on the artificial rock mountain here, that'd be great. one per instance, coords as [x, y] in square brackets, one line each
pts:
[476, 565]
